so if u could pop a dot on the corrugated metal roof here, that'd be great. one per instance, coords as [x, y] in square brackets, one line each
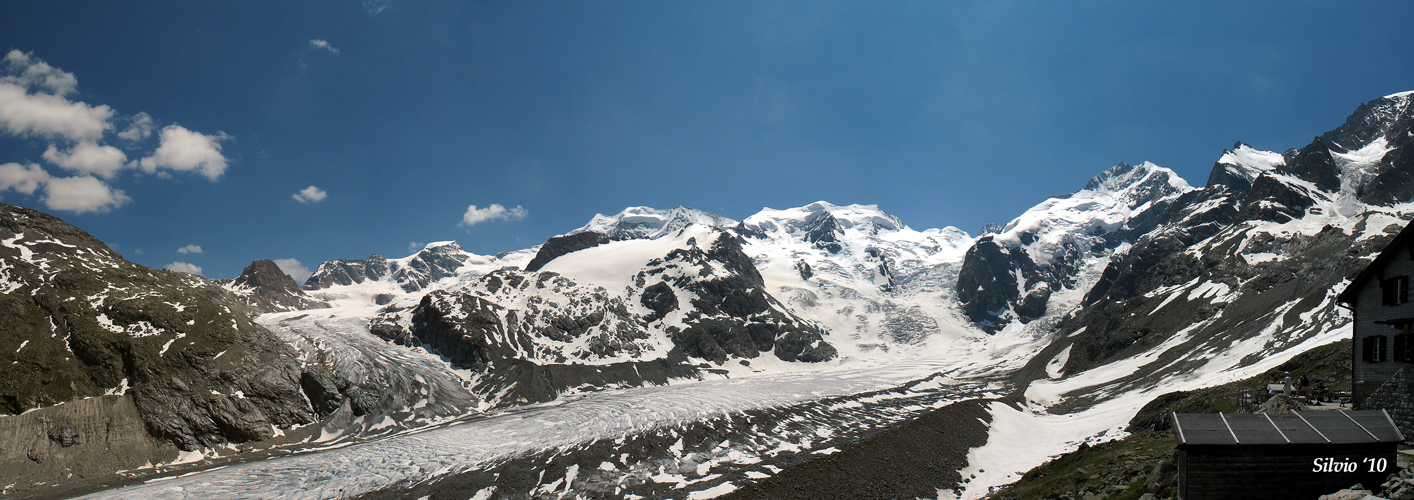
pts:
[1299, 427]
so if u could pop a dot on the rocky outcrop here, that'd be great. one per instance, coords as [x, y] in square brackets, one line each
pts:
[986, 284]
[823, 231]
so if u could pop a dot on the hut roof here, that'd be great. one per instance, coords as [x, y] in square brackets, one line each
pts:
[1298, 427]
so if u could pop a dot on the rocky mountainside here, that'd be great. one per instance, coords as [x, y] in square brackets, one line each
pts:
[81, 322]
[1252, 259]
[608, 313]
[1012, 273]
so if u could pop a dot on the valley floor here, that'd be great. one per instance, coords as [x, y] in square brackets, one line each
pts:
[687, 440]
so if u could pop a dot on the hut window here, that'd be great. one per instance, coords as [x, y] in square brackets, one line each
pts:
[1395, 290]
[1374, 349]
[1402, 349]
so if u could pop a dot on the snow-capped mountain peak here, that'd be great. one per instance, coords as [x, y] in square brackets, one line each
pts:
[1060, 245]
[650, 223]
[1103, 206]
[869, 218]
[1247, 162]
[1125, 178]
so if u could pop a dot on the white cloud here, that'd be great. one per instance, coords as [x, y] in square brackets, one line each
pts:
[293, 268]
[321, 44]
[183, 267]
[474, 216]
[23, 113]
[184, 150]
[82, 194]
[35, 103]
[26, 71]
[310, 195]
[22, 178]
[88, 158]
[139, 128]
[190, 249]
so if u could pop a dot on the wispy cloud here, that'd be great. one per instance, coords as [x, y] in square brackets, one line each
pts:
[139, 127]
[190, 249]
[183, 267]
[377, 6]
[474, 215]
[311, 195]
[323, 44]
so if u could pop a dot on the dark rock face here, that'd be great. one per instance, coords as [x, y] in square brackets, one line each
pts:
[1383, 117]
[64, 435]
[824, 231]
[1191, 218]
[1034, 304]
[200, 373]
[265, 274]
[1126, 318]
[985, 284]
[733, 316]
[348, 272]
[265, 288]
[804, 269]
[1271, 199]
[322, 388]
[561, 245]
[1313, 163]
[660, 299]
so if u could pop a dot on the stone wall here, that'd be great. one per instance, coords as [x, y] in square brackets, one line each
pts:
[1396, 396]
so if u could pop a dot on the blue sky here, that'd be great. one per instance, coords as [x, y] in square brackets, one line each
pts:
[161, 127]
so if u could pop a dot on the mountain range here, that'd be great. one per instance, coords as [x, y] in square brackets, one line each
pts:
[1086, 306]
